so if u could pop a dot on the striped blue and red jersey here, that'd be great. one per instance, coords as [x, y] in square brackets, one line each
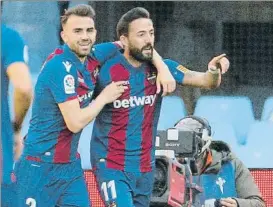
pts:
[125, 130]
[63, 77]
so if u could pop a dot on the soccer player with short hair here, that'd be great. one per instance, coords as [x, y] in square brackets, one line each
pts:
[14, 69]
[49, 171]
[123, 140]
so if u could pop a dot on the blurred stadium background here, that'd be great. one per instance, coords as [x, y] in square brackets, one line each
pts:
[240, 111]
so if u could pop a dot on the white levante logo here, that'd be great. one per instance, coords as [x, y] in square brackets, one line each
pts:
[134, 101]
[221, 183]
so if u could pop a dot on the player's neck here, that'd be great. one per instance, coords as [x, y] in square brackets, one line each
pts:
[132, 60]
[82, 59]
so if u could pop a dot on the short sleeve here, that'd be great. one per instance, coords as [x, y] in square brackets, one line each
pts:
[103, 52]
[62, 80]
[176, 69]
[15, 50]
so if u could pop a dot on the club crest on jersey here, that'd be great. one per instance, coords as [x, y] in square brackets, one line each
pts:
[96, 72]
[151, 77]
[69, 84]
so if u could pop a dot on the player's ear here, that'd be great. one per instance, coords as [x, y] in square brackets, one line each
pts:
[64, 38]
[124, 40]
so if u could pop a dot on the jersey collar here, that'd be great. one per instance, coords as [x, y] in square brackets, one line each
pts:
[73, 57]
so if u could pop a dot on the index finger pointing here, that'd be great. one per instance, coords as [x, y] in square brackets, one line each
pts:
[219, 57]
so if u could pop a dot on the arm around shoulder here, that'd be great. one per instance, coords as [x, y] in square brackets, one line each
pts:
[77, 118]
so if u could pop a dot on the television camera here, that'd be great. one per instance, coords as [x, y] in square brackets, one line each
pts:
[173, 177]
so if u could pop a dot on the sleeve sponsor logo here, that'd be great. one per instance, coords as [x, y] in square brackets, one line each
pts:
[182, 68]
[86, 96]
[69, 84]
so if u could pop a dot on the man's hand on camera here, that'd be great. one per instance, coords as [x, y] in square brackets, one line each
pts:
[228, 202]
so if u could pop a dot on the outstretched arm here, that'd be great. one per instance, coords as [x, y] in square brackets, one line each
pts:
[209, 79]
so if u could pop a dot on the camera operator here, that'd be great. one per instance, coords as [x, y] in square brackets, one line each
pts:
[224, 178]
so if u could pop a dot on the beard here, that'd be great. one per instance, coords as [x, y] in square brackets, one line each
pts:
[139, 55]
[81, 53]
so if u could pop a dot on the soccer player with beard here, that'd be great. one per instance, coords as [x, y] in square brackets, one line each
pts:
[49, 171]
[123, 140]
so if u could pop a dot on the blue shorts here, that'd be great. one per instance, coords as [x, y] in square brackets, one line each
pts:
[123, 189]
[6, 164]
[7, 195]
[40, 184]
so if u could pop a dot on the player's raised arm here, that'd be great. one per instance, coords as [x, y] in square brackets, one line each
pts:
[209, 79]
